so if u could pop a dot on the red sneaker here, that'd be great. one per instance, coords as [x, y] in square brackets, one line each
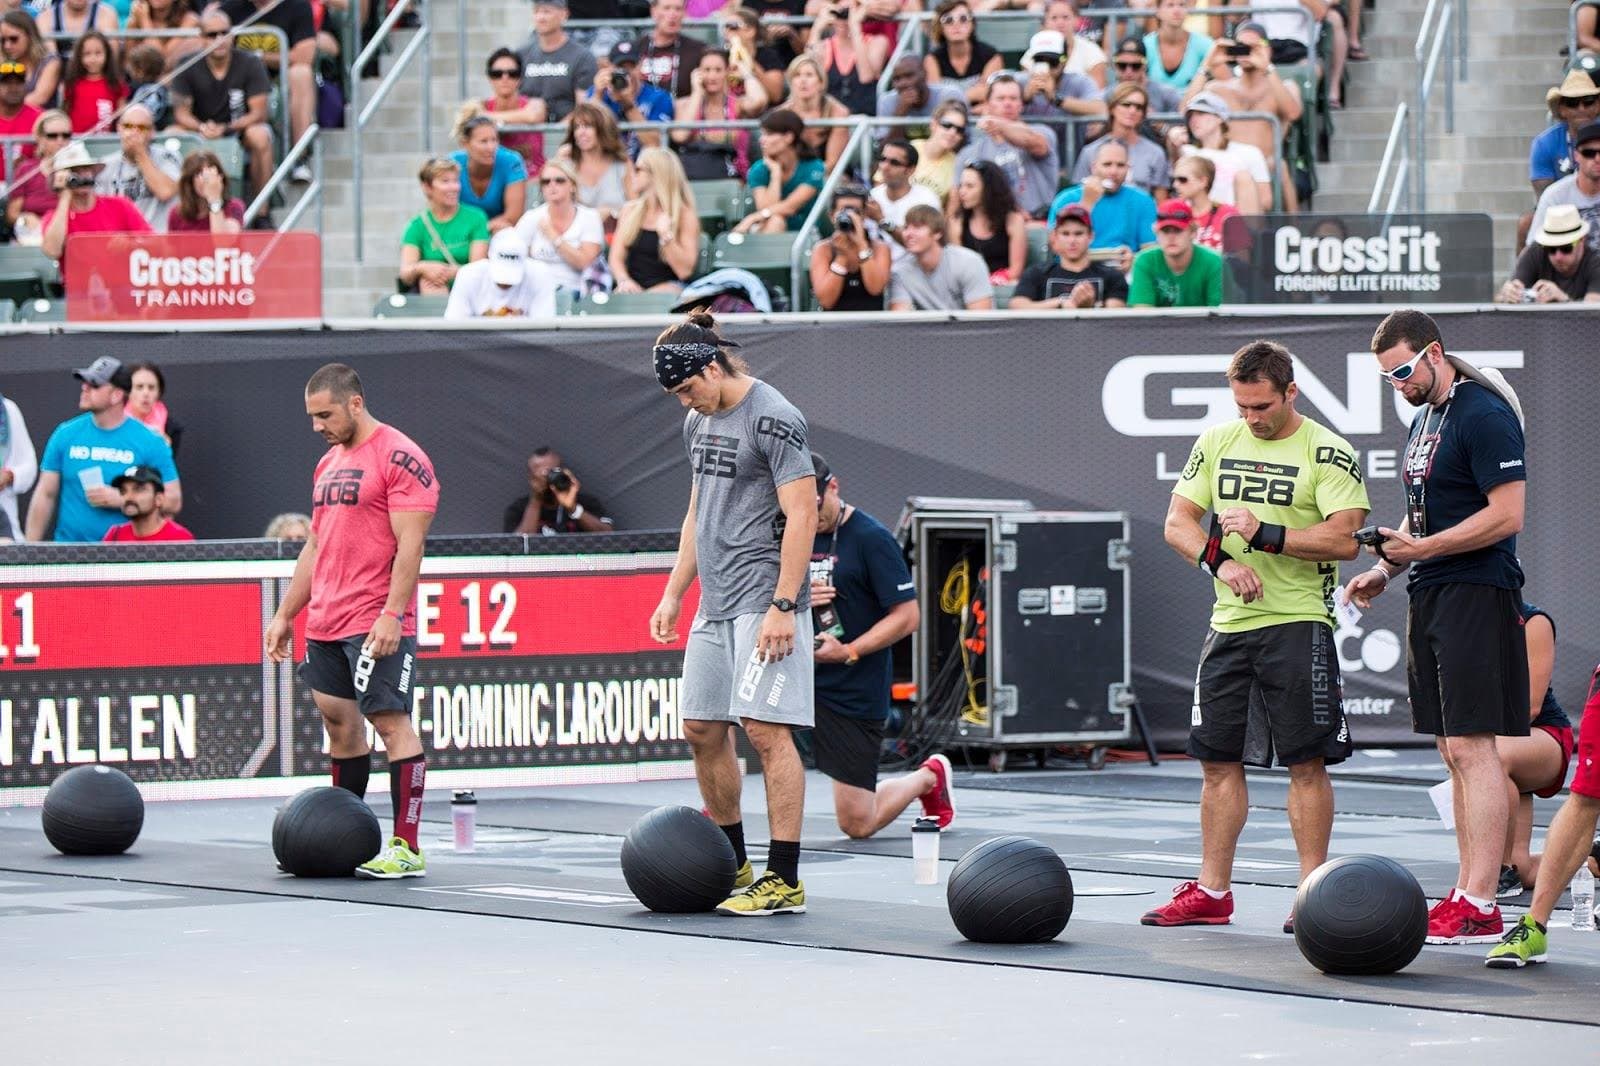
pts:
[1458, 921]
[940, 801]
[1191, 906]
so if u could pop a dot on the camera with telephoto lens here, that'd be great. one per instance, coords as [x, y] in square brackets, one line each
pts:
[559, 479]
[845, 221]
[619, 80]
[76, 180]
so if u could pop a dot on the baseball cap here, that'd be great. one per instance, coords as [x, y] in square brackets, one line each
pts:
[508, 258]
[550, 3]
[823, 471]
[624, 52]
[1588, 133]
[1251, 26]
[106, 371]
[1174, 214]
[1209, 103]
[141, 475]
[1075, 213]
[1046, 45]
[1130, 46]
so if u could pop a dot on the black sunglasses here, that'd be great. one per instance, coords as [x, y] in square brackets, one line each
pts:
[1580, 101]
[212, 35]
[56, 135]
[1589, 153]
[1131, 65]
[505, 72]
[959, 127]
[1564, 249]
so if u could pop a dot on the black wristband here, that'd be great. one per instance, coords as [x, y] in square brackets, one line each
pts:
[1212, 556]
[1269, 538]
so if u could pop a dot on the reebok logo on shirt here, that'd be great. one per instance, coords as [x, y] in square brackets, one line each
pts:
[1510, 463]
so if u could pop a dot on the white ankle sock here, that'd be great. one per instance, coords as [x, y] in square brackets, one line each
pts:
[1212, 894]
[1484, 905]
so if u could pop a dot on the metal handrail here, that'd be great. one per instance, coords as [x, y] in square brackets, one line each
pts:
[1396, 135]
[819, 204]
[1407, 148]
[363, 114]
[307, 143]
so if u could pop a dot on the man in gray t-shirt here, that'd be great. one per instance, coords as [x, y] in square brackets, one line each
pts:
[555, 68]
[748, 536]
[1581, 188]
[144, 172]
[1025, 151]
[1148, 169]
[932, 276]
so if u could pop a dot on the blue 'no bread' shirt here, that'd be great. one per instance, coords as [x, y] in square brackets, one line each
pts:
[78, 450]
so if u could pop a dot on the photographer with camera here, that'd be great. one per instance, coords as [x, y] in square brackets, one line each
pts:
[1557, 266]
[555, 502]
[850, 270]
[619, 86]
[79, 209]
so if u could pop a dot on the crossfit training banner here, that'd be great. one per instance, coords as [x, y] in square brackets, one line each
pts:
[1090, 412]
[533, 663]
[162, 277]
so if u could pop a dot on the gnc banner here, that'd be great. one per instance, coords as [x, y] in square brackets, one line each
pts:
[115, 277]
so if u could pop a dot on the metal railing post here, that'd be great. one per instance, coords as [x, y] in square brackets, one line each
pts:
[461, 48]
[362, 114]
[427, 89]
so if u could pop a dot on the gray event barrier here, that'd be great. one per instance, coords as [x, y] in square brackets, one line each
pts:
[1087, 412]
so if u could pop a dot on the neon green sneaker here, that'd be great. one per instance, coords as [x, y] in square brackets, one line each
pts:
[770, 894]
[745, 877]
[394, 862]
[1522, 944]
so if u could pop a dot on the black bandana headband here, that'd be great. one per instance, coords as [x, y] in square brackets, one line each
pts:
[677, 363]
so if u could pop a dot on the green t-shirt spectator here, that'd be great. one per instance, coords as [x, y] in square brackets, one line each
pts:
[458, 232]
[810, 172]
[1155, 285]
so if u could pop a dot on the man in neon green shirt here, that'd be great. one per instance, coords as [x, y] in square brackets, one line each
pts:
[1179, 272]
[1285, 494]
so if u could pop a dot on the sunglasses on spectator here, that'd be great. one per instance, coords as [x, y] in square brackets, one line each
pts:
[212, 35]
[504, 72]
[1589, 153]
[555, 179]
[1404, 371]
[55, 135]
[1180, 179]
[957, 127]
[1132, 103]
[955, 18]
[1581, 101]
[1130, 64]
[1564, 249]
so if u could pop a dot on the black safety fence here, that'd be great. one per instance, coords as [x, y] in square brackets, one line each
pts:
[1091, 411]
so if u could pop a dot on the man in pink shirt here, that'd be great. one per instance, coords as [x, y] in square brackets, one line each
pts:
[78, 208]
[143, 493]
[375, 495]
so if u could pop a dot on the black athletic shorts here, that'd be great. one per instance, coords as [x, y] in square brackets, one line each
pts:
[846, 749]
[1467, 661]
[1269, 692]
[337, 668]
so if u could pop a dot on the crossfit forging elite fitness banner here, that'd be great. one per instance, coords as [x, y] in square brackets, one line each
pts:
[534, 667]
[1088, 412]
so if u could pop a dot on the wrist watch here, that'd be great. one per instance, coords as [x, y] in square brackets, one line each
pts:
[216, 207]
[851, 655]
[865, 255]
[576, 512]
[766, 213]
[784, 604]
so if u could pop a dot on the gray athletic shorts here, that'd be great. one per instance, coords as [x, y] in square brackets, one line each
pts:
[724, 680]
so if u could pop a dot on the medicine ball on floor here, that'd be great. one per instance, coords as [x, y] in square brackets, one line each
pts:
[325, 832]
[1360, 914]
[1010, 890]
[678, 861]
[93, 810]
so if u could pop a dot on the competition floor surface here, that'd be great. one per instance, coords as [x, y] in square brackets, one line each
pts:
[193, 948]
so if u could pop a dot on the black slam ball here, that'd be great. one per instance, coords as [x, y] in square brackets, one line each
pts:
[325, 832]
[678, 861]
[1010, 890]
[1360, 914]
[93, 810]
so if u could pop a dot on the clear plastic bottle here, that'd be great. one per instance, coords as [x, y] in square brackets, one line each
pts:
[1583, 899]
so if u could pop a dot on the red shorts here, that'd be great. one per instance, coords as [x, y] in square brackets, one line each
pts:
[1563, 735]
[1586, 781]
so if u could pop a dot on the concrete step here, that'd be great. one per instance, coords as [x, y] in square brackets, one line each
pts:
[1349, 147]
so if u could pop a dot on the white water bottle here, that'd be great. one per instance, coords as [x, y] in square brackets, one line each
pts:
[1583, 899]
